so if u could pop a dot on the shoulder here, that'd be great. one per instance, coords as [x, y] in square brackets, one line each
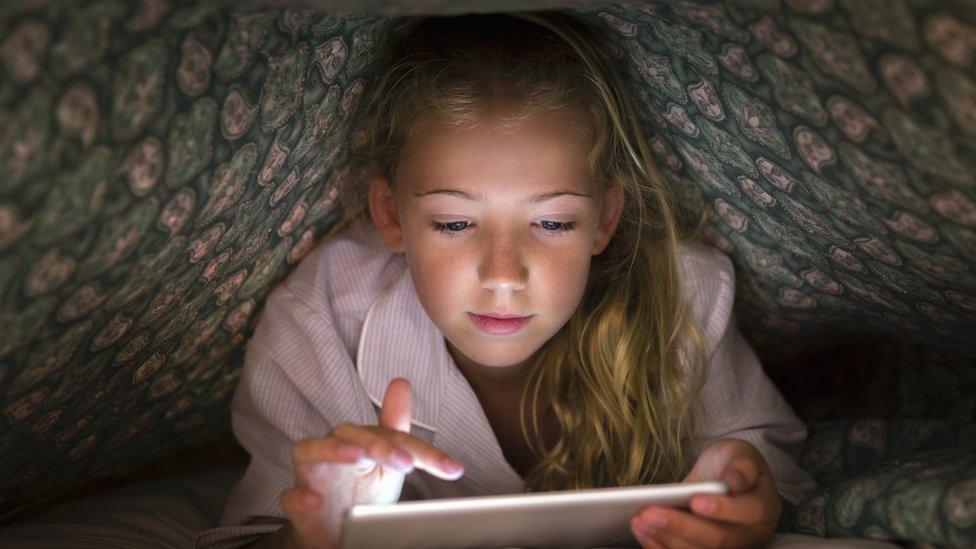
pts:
[698, 258]
[708, 281]
[319, 308]
[345, 272]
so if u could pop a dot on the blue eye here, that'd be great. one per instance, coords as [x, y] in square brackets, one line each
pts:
[450, 226]
[558, 226]
[459, 226]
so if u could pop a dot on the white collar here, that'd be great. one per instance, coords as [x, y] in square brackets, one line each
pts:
[398, 339]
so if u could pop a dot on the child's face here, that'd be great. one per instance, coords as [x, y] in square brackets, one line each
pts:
[503, 250]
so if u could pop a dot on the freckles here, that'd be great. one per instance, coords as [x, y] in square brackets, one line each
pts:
[566, 273]
[439, 273]
[575, 260]
[429, 271]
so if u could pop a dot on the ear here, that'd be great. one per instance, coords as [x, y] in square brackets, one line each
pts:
[613, 206]
[383, 212]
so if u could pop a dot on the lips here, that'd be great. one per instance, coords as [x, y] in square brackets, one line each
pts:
[502, 316]
[499, 325]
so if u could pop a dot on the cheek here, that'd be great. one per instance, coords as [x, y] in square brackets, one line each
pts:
[575, 251]
[438, 282]
[562, 273]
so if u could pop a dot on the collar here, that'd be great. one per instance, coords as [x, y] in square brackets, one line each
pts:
[398, 339]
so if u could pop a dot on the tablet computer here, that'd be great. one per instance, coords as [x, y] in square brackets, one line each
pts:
[598, 517]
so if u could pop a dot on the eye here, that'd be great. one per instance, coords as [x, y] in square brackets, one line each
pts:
[558, 226]
[459, 226]
[449, 227]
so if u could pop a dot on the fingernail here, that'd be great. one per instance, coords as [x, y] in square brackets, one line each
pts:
[453, 467]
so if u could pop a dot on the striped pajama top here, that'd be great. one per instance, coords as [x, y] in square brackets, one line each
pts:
[347, 320]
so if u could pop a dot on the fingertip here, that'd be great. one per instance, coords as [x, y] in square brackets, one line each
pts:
[396, 408]
[403, 382]
[747, 467]
[734, 480]
[451, 476]
[453, 469]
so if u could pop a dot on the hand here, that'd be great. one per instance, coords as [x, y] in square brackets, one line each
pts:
[357, 464]
[744, 518]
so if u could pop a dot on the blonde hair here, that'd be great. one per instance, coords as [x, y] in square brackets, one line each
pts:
[620, 378]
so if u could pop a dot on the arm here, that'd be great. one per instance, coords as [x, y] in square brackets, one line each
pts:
[742, 403]
[748, 435]
[739, 400]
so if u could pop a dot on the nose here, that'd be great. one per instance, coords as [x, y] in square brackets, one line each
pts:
[502, 268]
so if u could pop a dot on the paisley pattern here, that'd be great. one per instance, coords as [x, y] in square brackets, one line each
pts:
[164, 163]
[881, 428]
[895, 479]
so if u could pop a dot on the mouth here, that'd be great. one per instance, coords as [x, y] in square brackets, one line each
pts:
[501, 316]
[499, 324]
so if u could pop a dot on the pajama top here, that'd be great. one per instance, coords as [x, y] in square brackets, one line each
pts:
[347, 320]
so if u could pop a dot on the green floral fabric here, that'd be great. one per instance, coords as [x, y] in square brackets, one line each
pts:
[165, 163]
[896, 479]
[892, 443]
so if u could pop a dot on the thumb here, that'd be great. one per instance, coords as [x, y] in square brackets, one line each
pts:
[395, 412]
[740, 475]
[710, 463]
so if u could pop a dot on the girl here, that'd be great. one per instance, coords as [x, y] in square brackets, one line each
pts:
[512, 302]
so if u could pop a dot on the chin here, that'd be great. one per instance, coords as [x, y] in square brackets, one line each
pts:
[497, 354]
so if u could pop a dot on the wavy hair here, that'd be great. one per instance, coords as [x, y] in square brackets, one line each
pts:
[618, 383]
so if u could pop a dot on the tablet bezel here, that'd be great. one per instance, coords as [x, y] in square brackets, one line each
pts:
[544, 504]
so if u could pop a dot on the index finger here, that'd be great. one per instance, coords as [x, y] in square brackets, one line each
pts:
[395, 412]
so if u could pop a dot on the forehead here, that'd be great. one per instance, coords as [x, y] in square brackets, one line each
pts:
[544, 150]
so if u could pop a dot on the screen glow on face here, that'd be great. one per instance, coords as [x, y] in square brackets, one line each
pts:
[552, 213]
[498, 223]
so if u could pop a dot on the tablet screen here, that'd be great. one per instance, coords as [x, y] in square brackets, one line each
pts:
[574, 518]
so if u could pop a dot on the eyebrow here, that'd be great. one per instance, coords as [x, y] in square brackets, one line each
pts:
[475, 197]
